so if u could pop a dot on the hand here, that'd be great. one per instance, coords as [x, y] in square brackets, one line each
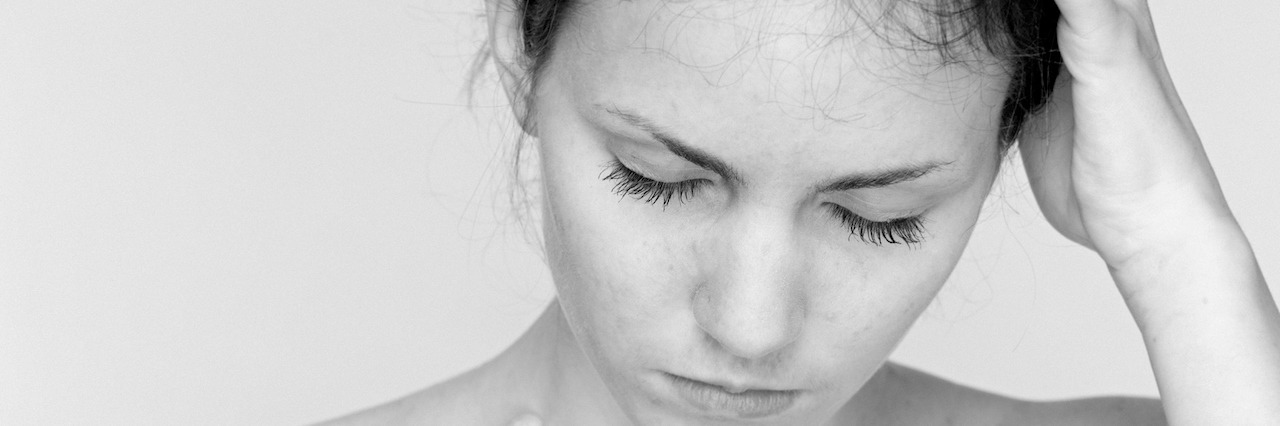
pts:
[1116, 165]
[1114, 161]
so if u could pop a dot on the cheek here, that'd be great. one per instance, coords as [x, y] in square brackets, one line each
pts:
[617, 283]
[862, 303]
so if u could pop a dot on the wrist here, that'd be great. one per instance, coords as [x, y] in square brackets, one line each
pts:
[1210, 326]
[1210, 268]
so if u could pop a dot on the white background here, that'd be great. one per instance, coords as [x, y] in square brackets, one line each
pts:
[276, 212]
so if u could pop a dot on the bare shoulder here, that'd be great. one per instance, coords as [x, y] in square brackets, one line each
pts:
[456, 401]
[1112, 410]
[923, 398]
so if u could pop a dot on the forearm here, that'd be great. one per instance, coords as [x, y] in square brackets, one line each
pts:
[1211, 329]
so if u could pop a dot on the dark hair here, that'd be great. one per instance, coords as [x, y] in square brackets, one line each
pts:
[1022, 34]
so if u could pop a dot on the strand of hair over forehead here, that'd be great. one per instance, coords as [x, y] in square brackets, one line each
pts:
[1021, 33]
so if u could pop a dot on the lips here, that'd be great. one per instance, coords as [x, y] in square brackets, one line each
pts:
[735, 403]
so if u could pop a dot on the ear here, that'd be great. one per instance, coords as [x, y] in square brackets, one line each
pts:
[505, 46]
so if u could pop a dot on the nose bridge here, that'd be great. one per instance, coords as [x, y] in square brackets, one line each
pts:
[752, 299]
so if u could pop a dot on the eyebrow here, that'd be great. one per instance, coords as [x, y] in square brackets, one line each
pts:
[677, 147]
[707, 161]
[879, 179]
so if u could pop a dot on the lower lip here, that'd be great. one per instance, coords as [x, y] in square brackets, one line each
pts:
[747, 404]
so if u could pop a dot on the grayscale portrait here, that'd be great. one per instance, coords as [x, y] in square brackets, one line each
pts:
[639, 212]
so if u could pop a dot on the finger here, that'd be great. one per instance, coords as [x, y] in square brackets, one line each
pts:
[1047, 140]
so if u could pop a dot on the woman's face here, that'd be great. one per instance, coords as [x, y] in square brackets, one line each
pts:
[761, 196]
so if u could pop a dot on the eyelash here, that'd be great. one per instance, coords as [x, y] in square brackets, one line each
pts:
[907, 230]
[648, 190]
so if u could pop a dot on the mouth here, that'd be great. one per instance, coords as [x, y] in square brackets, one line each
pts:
[732, 402]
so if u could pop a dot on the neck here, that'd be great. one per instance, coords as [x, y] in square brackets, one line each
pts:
[546, 373]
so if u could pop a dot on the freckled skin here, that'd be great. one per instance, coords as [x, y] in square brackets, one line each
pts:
[750, 284]
[754, 281]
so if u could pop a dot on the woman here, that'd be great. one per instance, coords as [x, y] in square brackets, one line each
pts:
[746, 204]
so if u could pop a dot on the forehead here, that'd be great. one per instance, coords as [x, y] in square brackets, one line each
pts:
[811, 71]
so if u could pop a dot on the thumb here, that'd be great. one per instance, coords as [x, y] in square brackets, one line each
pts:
[1088, 15]
[1046, 144]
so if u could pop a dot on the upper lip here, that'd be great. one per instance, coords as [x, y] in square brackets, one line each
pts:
[734, 386]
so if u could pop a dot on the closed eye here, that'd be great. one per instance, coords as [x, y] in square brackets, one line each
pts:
[642, 188]
[907, 230]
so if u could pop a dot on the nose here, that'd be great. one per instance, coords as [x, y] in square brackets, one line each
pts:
[751, 300]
